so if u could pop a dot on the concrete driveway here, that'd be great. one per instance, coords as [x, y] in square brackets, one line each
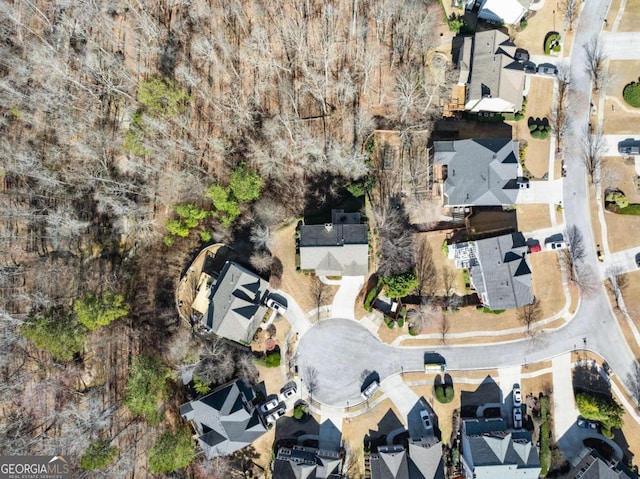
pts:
[345, 299]
[622, 261]
[565, 412]
[541, 192]
[621, 45]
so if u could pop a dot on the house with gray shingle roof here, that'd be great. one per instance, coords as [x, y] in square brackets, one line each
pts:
[501, 274]
[594, 466]
[422, 460]
[339, 248]
[479, 172]
[225, 420]
[299, 462]
[505, 11]
[495, 80]
[490, 450]
[236, 303]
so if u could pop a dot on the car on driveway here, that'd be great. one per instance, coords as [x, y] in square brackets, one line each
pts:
[629, 146]
[529, 67]
[517, 417]
[269, 405]
[555, 245]
[276, 414]
[370, 389]
[547, 69]
[276, 306]
[586, 424]
[638, 260]
[289, 390]
[521, 55]
[426, 419]
[517, 396]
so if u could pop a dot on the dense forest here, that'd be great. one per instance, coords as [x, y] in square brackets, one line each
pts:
[134, 131]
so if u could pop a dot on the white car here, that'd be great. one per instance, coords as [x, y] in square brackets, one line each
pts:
[288, 391]
[275, 415]
[426, 419]
[517, 418]
[277, 307]
[555, 245]
[517, 396]
[269, 405]
[371, 388]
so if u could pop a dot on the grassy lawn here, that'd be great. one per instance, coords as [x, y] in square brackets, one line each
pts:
[619, 117]
[631, 18]
[533, 217]
[540, 23]
[623, 231]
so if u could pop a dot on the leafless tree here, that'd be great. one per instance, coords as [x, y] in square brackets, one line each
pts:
[261, 237]
[216, 364]
[570, 8]
[632, 381]
[246, 368]
[618, 282]
[448, 278]
[596, 62]
[396, 240]
[586, 280]
[261, 260]
[530, 313]
[310, 379]
[318, 292]
[592, 149]
[426, 271]
[444, 327]
[575, 251]
[561, 117]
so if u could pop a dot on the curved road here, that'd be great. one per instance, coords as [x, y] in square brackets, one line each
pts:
[336, 354]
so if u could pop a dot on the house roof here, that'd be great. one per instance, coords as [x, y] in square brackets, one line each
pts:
[502, 276]
[494, 71]
[225, 419]
[500, 453]
[481, 172]
[594, 466]
[507, 11]
[340, 248]
[236, 303]
[390, 462]
[301, 462]
[426, 459]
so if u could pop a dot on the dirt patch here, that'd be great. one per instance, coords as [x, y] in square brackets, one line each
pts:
[436, 240]
[619, 117]
[294, 282]
[540, 23]
[533, 217]
[631, 295]
[272, 377]
[547, 282]
[623, 231]
[631, 18]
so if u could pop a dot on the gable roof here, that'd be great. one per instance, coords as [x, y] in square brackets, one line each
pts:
[507, 11]
[225, 419]
[235, 303]
[496, 452]
[494, 71]
[340, 248]
[390, 462]
[594, 466]
[502, 276]
[299, 462]
[426, 459]
[481, 172]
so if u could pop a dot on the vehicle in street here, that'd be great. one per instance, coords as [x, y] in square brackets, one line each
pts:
[277, 414]
[638, 260]
[269, 405]
[370, 389]
[599, 253]
[426, 419]
[521, 55]
[517, 417]
[276, 306]
[434, 362]
[547, 69]
[517, 396]
[607, 369]
[630, 146]
[289, 390]
[587, 424]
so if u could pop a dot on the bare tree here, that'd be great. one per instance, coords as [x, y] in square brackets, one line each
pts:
[596, 62]
[561, 117]
[396, 239]
[426, 271]
[444, 327]
[216, 364]
[318, 293]
[427, 313]
[529, 314]
[618, 281]
[592, 149]
[448, 277]
[310, 380]
[586, 280]
[632, 381]
[261, 260]
[575, 251]
[261, 237]
[570, 8]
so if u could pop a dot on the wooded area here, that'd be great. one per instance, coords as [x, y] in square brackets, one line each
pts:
[123, 123]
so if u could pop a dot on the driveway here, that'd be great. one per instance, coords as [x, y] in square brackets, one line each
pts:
[621, 45]
[544, 192]
[622, 261]
[296, 317]
[345, 299]
[565, 412]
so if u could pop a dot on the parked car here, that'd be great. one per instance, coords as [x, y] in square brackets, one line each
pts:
[529, 67]
[426, 419]
[277, 414]
[521, 55]
[289, 390]
[586, 424]
[547, 69]
[607, 368]
[629, 146]
[517, 396]
[269, 405]
[638, 260]
[517, 417]
[276, 306]
[370, 389]
[555, 245]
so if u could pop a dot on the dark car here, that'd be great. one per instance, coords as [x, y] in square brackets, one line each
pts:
[551, 70]
[529, 67]
[521, 55]
[638, 260]
[586, 424]
[629, 147]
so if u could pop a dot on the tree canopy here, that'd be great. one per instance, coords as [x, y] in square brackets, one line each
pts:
[56, 332]
[98, 455]
[161, 96]
[146, 387]
[96, 310]
[600, 408]
[401, 285]
[172, 452]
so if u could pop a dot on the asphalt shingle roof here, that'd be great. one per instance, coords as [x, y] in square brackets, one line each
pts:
[481, 172]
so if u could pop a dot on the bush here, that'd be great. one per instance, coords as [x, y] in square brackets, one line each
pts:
[631, 94]
[146, 387]
[172, 452]
[57, 332]
[162, 96]
[200, 386]
[372, 295]
[533, 127]
[98, 455]
[632, 209]
[245, 185]
[389, 322]
[445, 248]
[617, 197]
[444, 393]
[545, 448]
[300, 411]
[604, 409]
[523, 24]
[401, 285]
[271, 360]
[413, 332]
[551, 42]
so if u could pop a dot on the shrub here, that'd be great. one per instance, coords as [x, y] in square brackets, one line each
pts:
[245, 185]
[631, 94]
[172, 452]
[205, 236]
[162, 96]
[401, 285]
[444, 393]
[523, 24]
[600, 408]
[445, 248]
[533, 127]
[146, 387]
[372, 295]
[271, 360]
[551, 41]
[200, 386]
[545, 434]
[98, 455]
[389, 322]
[617, 197]
[413, 332]
[57, 332]
[299, 411]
